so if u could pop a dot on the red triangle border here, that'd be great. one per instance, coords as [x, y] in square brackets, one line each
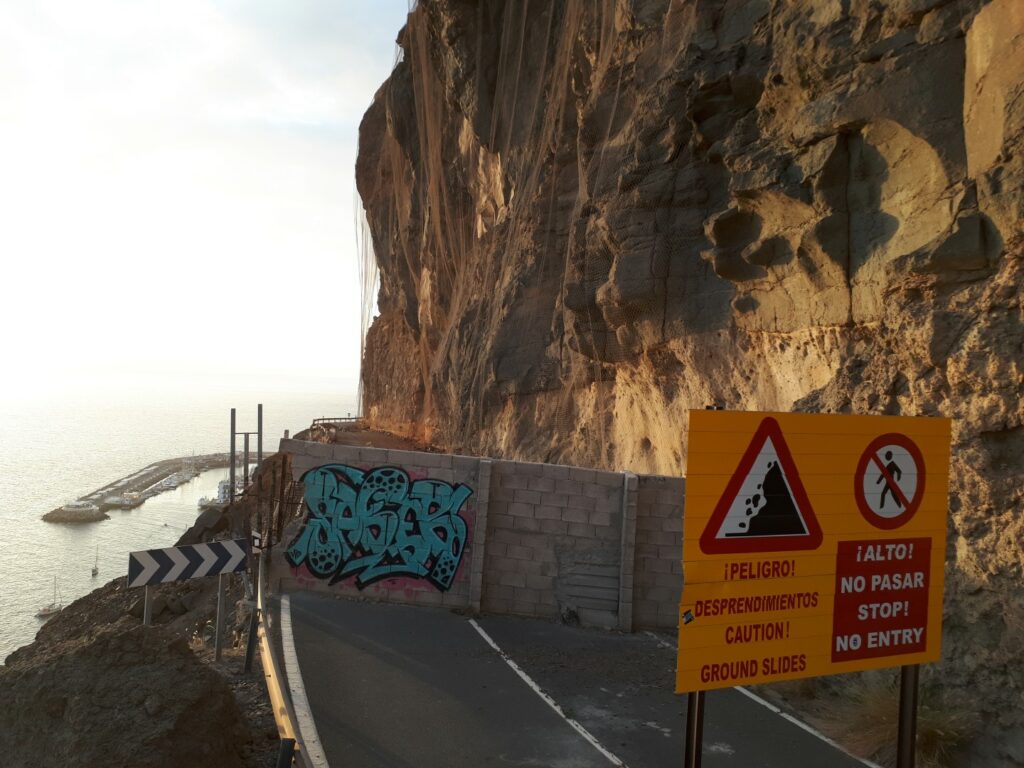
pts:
[710, 544]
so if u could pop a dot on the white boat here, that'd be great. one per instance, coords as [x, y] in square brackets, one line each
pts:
[96, 565]
[223, 493]
[55, 607]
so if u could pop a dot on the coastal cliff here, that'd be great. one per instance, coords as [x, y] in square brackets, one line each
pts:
[590, 217]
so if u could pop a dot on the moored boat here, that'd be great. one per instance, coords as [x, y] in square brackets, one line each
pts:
[223, 494]
[54, 607]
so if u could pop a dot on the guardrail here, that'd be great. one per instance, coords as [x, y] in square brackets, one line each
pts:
[336, 419]
[291, 752]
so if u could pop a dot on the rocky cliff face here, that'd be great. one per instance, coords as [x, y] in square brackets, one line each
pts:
[592, 216]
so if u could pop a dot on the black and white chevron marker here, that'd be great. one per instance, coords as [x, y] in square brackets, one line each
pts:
[158, 566]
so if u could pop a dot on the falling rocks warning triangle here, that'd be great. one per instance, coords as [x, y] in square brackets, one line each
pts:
[764, 508]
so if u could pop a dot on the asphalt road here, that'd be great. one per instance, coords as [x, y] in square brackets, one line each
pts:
[403, 687]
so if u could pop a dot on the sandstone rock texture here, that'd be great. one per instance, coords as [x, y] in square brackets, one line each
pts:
[593, 215]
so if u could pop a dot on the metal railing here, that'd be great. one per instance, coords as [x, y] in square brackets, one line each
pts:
[291, 752]
[336, 419]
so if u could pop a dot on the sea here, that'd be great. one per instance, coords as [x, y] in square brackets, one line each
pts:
[64, 444]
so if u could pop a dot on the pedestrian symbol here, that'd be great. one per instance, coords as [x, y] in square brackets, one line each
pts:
[889, 483]
[764, 508]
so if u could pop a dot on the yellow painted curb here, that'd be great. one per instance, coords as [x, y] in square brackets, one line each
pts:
[284, 717]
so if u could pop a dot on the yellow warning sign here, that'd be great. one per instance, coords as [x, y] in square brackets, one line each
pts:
[812, 545]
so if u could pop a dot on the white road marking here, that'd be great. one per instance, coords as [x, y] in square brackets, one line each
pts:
[798, 723]
[666, 732]
[308, 736]
[547, 699]
[659, 641]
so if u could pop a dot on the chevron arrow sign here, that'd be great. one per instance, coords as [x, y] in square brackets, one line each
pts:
[158, 566]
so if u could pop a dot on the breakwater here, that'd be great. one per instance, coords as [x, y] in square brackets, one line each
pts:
[131, 491]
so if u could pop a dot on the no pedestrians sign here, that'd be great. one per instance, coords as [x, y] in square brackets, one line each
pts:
[812, 545]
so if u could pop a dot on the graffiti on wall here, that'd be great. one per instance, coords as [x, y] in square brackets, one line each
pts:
[378, 523]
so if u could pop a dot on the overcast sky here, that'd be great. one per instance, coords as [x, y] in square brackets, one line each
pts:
[176, 185]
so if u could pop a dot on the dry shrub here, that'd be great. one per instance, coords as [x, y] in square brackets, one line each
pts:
[797, 694]
[864, 719]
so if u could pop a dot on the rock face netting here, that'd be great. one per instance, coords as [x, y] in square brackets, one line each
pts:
[591, 216]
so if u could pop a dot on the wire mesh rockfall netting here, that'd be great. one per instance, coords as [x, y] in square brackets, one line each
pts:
[593, 215]
[525, 252]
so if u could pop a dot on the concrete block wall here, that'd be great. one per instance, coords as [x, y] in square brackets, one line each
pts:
[658, 551]
[568, 543]
[553, 542]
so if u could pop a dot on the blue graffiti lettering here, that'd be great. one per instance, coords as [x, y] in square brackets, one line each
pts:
[378, 524]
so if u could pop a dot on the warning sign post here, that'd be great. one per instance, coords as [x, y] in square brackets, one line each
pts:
[812, 545]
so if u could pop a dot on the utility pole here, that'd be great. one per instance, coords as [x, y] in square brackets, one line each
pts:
[231, 471]
[259, 436]
[245, 444]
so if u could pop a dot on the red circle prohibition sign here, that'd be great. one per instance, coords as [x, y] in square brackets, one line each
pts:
[910, 505]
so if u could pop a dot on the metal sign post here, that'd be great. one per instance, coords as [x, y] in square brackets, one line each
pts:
[146, 617]
[245, 435]
[694, 729]
[286, 753]
[259, 436]
[217, 642]
[231, 472]
[250, 647]
[279, 521]
[906, 741]
[189, 561]
[258, 527]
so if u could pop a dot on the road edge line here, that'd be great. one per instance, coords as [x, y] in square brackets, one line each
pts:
[312, 748]
[801, 724]
[547, 699]
[784, 715]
